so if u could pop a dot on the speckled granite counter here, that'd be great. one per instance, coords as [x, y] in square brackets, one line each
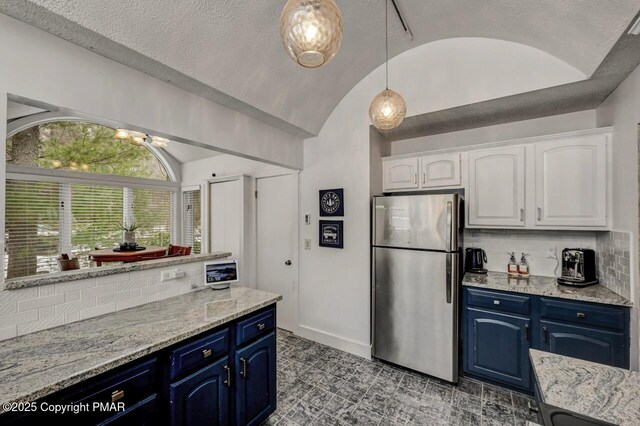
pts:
[41, 363]
[81, 274]
[544, 286]
[595, 390]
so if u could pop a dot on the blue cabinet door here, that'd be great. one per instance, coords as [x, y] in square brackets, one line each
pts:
[499, 345]
[602, 346]
[256, 381]
[201, 398]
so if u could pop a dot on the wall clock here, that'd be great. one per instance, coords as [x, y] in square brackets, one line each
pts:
[332, 202]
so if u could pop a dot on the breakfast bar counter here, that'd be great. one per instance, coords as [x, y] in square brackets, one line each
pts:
[38, 364]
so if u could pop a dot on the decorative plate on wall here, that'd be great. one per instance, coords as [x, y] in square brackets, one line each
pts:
[331, 232]
[332, 202]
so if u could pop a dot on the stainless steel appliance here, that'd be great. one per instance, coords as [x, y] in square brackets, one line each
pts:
[578, 267]
[474, 260]
[416, 271]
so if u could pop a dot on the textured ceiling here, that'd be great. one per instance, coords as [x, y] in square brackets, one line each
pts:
[230, 51]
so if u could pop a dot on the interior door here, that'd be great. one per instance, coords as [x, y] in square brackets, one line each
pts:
[278, 244]
[497, 187]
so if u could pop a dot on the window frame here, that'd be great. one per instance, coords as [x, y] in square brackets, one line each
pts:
[68, 177]
[181, 208]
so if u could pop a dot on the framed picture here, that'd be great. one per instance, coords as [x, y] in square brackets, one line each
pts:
[331, 234]
[332, 202]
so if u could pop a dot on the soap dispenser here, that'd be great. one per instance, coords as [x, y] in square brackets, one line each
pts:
[523, 266]
[512, 267]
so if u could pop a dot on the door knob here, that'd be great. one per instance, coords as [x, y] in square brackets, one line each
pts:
[288, 263]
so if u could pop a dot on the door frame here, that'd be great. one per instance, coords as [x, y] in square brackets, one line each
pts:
[296, 236]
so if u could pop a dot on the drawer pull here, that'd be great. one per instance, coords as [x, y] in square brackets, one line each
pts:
[496, 302]
[228, 371]
[243, 373]
[117, 395]
[260, 326]
[206, 353]
[581, 315]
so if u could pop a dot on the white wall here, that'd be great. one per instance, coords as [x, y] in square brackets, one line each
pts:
[334, 284]
[622, 111]
[501, 132]
[199, 171]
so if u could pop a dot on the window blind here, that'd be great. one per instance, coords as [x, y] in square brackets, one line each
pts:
[191, 229]
[153, 211]
[32, 227]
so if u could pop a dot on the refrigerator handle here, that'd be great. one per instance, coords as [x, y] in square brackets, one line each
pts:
[452, 276]
[449, 225]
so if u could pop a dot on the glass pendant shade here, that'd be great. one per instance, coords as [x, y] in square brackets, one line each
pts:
[387, 110]
[311, 31]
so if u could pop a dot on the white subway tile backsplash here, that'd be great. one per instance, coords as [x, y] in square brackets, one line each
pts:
[33, 326]
[8, 308]
[98, 310]
[111, 298]
[32, 309]
[26, 305]
[8, 332]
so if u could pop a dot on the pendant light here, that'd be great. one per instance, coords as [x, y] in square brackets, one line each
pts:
[311, 31]
[387, 109]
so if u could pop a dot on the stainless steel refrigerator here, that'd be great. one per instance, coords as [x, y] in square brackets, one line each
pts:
[416, 259]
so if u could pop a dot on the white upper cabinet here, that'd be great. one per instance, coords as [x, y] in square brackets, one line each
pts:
[440, 170]
[496, 187]
[400, 174]
[571, 181]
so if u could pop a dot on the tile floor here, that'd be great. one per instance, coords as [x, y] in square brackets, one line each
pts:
[319, 385]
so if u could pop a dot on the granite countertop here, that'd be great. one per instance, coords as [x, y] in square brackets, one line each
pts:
[81, 274]
[544, 286]
[38, 364]
[594, 390]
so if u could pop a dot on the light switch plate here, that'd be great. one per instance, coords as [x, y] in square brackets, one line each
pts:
[307, 243]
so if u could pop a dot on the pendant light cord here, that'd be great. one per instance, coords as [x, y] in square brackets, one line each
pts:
[386, 42]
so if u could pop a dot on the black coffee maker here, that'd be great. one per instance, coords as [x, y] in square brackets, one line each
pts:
[474, 260]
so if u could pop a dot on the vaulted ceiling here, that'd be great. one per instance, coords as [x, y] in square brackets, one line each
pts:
[230, 51]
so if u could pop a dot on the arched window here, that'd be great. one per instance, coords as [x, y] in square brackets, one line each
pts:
[71, 187]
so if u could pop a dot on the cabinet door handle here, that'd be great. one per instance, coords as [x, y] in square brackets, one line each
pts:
[424, 178]
[581, 315]
[496, 302]
[228, 371]
[260, 326]
[526, 332]
[206, 353]
[521, 215]
[545, 334]
[243, 372]
[117, 395]
[415, 178]
[539, 213]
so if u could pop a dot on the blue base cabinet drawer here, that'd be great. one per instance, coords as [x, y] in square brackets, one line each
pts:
[257, 325]
[586, 314]
[144, 413]
[499, 301]
[498, 328]
[199, 353]
[500, 347]
[590, 344]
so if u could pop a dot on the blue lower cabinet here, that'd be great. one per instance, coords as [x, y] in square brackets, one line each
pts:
[499, 345]
[255, 379]
[602, 346]
[144, 413]
[202, 398]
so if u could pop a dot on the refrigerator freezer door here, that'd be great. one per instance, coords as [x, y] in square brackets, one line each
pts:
[416, 221]
[415, 310]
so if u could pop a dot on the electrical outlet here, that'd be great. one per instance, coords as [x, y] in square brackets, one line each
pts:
[171, 275]
[551, 253]
[307, 243]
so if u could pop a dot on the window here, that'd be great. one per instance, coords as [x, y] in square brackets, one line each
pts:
[191, 222]
[68, 205]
